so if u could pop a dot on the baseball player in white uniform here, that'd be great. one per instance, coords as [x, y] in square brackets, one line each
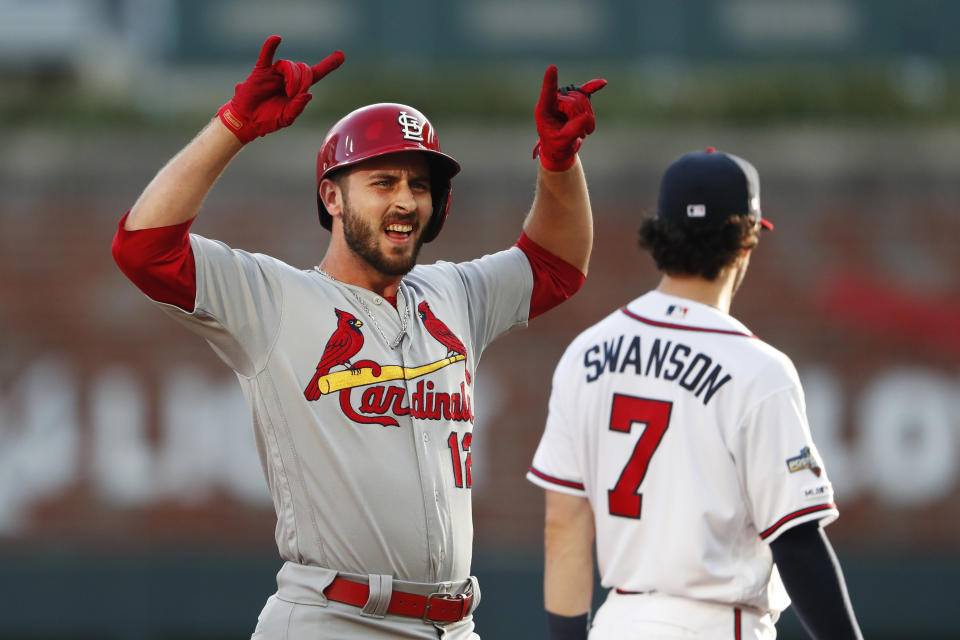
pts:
[359, 371]
[678, 441]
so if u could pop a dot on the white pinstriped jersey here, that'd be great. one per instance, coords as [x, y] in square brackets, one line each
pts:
[689, 436]
[365, 445]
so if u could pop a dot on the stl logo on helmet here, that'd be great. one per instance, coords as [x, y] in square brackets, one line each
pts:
[412, 127]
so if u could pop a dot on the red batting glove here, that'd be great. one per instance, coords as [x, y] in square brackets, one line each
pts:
[564, 117]
[274, 93]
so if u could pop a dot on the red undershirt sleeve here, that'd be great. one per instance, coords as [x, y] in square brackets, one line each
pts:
[554, 279]
[159, 261]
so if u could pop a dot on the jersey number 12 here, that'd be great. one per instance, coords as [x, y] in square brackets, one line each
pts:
[623, 499]
[466, 470]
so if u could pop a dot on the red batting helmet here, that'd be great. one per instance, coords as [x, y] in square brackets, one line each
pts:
[379, 129]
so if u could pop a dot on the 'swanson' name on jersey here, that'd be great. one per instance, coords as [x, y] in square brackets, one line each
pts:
[667, 360]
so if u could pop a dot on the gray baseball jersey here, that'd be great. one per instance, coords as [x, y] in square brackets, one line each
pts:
[689, 436]
[362, 412]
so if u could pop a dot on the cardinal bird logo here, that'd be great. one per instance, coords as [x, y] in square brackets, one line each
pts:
[342, 345]
[442, 334]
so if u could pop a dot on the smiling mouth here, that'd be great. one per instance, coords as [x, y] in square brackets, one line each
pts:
[399, 231]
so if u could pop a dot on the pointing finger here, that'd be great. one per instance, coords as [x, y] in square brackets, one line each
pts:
[266, 53]
[326, 65]
[548, 93]
[592, 86]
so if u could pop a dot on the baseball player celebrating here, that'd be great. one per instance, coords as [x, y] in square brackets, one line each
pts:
[359, 371]
[679, 440]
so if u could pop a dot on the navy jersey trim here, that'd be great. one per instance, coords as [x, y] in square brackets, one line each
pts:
[557, 481]
[668, 325]
[792, 516]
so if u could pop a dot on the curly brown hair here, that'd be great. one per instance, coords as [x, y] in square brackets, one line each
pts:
[691, 248]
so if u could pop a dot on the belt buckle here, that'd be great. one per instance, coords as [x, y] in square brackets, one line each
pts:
[447, 597]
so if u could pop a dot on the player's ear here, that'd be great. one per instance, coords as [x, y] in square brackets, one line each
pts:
[331, 196]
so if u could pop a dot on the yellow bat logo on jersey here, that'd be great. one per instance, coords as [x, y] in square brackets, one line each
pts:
[363, 376]
[806, 460]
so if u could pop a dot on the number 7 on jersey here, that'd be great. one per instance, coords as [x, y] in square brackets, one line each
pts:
[623, 499]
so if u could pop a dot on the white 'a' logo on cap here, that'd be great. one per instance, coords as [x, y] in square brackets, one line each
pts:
[412, 127]
[696, 210]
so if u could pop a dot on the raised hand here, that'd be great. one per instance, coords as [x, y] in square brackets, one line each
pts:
[564, 117]
[274, 93]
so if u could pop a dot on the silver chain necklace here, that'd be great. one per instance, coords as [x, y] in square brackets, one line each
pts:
[404, 315]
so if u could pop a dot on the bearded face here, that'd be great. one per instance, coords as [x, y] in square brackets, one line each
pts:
[386, 206]
[364, 236]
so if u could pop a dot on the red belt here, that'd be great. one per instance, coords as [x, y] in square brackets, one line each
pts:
[436, 607]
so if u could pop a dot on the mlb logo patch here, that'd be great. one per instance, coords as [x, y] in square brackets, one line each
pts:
[676, 311]
[817, 493]
[696, 210]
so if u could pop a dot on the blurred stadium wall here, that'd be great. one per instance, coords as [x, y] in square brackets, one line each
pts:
[131, 501]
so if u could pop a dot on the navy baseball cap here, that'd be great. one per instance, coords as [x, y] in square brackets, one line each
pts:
[710, 186]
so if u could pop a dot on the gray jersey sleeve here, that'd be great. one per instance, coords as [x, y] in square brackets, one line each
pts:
[238, 304]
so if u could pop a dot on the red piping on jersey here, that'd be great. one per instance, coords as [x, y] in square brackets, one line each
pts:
[668, 325]
[562, 483]
[792, 516]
